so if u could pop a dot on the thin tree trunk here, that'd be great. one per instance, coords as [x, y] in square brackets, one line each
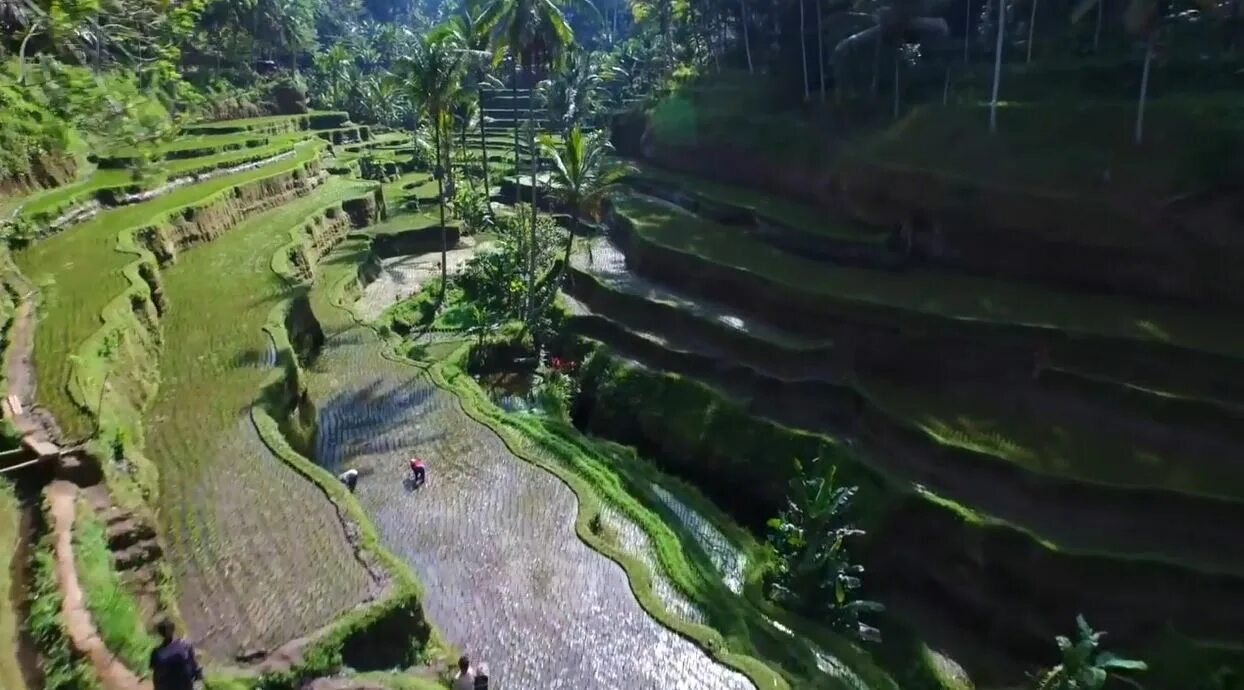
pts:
[946, 87]
[1144, 86]
[877, 63]
[747, 47]
[531, 247]
[820, 49]
[997, 67]
[1101, 11]
[518, 192]
[897, 63]
[803, 50]
[483, 147]
[1032, 25]
[21, 53]
[574, 225]
[967, 30]
[440, 199]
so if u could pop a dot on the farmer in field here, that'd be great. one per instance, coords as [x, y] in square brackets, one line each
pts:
[350, 478]
[173, 666]
[418, 473]
[466, 676]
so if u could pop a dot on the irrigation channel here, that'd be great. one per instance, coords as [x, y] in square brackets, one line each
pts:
[490, 535]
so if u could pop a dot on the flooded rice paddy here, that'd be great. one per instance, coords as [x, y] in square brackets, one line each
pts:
[490, 536]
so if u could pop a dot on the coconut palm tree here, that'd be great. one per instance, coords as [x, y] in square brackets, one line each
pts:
[433, 72]
[584, 173]
[472, 36]
[890, 20]
[1144, 19]
[997, 67]
[534, 33]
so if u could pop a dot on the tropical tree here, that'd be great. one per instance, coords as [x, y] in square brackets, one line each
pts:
[584, 173]
[382, 99]
[1144, 19]
[533, 33]
[333, 70]
[572, 97]
[997, 67]
[433, 78]
[472, 36]
[890, 21]
[814, 572]
[1083, 666]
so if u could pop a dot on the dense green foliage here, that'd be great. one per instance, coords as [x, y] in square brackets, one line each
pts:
[1083, 665]
[814, 572]
[113, 610]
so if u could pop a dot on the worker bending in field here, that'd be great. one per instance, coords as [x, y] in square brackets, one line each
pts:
[418, 473]
[350, 478]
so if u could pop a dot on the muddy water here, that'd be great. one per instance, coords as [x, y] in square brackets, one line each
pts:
[491, 537]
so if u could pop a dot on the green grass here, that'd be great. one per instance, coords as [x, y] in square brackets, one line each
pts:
[898, 297]
[10, 525]
[113, 610]
[62, 668]
[57, 197]
[215, 474]
[259, 122]
[1076, 452]
[792, 214]
[79, 273]
[600, 472]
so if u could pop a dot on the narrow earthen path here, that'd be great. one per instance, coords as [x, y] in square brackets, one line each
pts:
[80, 628]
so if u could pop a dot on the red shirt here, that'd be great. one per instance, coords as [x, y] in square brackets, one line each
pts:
[415, 463]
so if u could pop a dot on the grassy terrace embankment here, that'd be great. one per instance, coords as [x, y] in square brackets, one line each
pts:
[78, 272]
[11, 677]
[240, 524]
[926, 297]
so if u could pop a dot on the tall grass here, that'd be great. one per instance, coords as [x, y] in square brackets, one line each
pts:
[10, 525]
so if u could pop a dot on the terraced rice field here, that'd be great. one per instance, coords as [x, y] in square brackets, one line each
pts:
[934, 293]
[260, 556]
[78, 272]
[490, 535]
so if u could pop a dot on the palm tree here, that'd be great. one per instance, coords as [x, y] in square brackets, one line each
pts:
[334, 67]
[433, 73]
[997, 67]
[891, 20]
[584, 173]
[531, 31]
[472, 36]
[1143, 18]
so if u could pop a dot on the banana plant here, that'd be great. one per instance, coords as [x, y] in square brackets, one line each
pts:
[1084, 666]
[814, 572]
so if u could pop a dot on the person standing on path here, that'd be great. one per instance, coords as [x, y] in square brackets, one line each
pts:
[173, 665]
[466, 677]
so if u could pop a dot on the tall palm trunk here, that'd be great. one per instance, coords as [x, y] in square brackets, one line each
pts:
[747, 46]
[518, 194]
[1101, 11]
[574, 225]
[803, 51]
[997, 68]
[1032, 25]
[877, 63]
[967, 30]
[483, 147]
[820, 49]
[1144, 86]
[440, 200]
[898, 61]
[531, 235]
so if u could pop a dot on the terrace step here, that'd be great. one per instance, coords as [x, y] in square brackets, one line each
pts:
[964, 314]
[1142, 518]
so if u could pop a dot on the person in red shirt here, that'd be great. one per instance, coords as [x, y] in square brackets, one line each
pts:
[418, 473]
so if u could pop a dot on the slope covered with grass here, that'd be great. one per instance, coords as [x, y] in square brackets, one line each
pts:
[241, 524]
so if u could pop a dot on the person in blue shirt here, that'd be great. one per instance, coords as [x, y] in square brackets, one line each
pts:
[173, 665]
